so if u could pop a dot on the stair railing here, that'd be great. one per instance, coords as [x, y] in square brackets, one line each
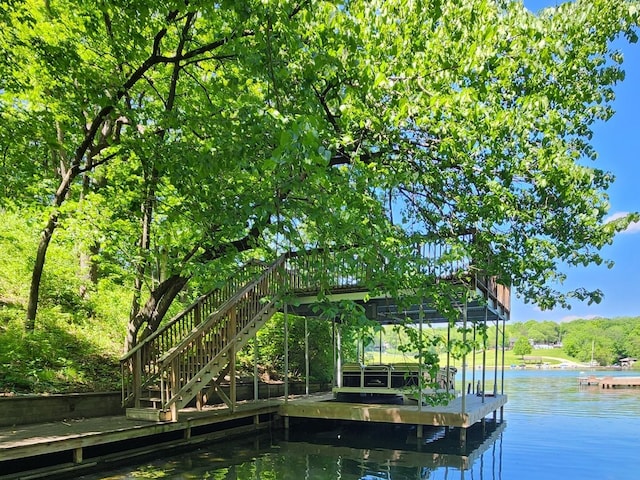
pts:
[182, 367]
[139, 365]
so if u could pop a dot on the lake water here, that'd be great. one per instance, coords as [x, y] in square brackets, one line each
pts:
[553, 429]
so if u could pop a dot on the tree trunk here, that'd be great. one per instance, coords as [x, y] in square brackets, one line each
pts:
[41, 254]
[88, 267]
[153, 310]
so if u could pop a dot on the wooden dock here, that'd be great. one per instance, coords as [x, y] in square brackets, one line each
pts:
[442, 415]
[609, 382]
[73, 446]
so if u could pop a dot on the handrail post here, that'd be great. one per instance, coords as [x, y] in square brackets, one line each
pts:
[173, 389]
[232, 357]
[286, 354]
[137, 377]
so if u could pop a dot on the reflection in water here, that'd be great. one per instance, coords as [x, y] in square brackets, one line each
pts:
[328, 451]
[387, 452]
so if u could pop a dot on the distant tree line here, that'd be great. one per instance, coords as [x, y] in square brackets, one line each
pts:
[608, 340]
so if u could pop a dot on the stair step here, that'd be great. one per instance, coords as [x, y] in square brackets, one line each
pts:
[148, 414]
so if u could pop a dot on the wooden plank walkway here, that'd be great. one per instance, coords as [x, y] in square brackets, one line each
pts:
[57, 448]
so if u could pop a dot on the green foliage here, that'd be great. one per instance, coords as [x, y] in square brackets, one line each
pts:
[317, 123]
[60, 356]
[522, 347]
[607, 339]
[79, 338]
[171, 140]
[270, 344]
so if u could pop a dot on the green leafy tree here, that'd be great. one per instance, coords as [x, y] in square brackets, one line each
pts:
[522, 347]
[255, 127]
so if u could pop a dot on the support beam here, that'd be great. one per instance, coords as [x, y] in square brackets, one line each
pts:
[464, 358]
[256, 393]
[463, 437]
[339, 354]
[232, 361]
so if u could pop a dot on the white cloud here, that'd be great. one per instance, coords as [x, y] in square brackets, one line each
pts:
[634, 227]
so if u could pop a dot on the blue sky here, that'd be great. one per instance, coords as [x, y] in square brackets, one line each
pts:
[618, 144]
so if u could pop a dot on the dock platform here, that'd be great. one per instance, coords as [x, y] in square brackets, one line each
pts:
[451, 415]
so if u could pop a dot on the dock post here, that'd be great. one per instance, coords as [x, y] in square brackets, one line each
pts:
[463, 437]
[256, 388]
[306, 357]
[77, 455]
[419, 431]
[464, 358]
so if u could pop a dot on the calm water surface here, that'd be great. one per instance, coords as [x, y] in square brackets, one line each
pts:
[553, 429]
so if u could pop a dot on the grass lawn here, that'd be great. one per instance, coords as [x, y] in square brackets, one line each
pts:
[554, 356]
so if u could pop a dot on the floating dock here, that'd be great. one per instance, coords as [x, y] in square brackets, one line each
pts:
[73, 446]
[609, 382]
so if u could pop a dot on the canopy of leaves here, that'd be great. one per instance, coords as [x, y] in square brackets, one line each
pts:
[317, 123]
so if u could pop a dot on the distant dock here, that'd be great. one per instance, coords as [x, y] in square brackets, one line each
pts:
[609, 382]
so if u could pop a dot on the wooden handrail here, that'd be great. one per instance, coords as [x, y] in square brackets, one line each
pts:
[169, 356]
[182, 314]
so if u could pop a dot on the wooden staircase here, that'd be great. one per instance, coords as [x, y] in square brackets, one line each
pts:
[191, 354]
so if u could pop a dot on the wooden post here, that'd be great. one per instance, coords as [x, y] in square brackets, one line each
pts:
[232, 358]
[504, 326]
[484, 353]
[463, 437]
[77, 455]
[137, 377]
[339, 355]
[495, 370]
[420, 363]
[173, 388]
[286, 359]
[334, 382]
[464, 357]
[306, 357]
[256, 393]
